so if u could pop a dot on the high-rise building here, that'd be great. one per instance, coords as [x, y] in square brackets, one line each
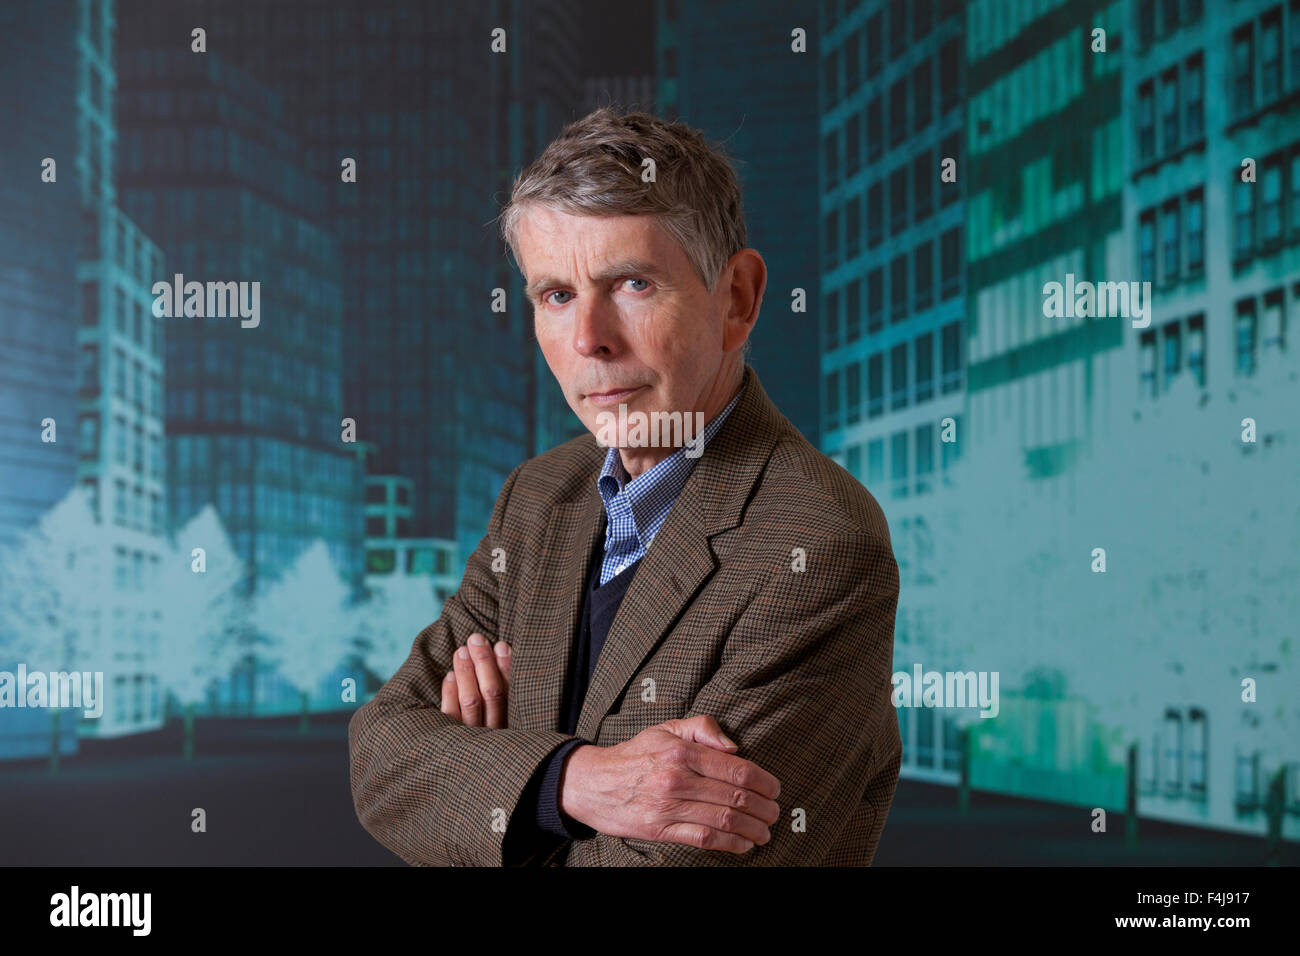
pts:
[893, 306]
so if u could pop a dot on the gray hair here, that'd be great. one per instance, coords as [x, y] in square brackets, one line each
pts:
[593, 168]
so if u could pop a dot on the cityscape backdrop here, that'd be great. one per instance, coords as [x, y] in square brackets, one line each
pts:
[251, 512]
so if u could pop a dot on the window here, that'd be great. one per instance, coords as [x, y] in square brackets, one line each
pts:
[1146, 23]
[853, 312]
[1270, 57]
[1194, 82]
[898, 200]
[1168, 17]
[832, 319]
[1195, 231]
[833, 400]
[853, 227]
[1294, 201]
[875, 44]
[1146, 122]
[1147, 364]
[1274, 322]
[1169, 112]
[875, 301]
[89, 436]
[923, 275]
[875, 214]
[1173, 354]
[898, 377]
[875, 385]
[1171, 237]
[898, 112]
[833, 238]
[898, 464]
[831, 76]
[852, 62]
[1270, 208]
[897, 28]
[875, 462]
[830, 157]
[923, 18]
[925, 367]
[1197, 751]
[1295, 44]
[89, 304]
[923, 184]
[853, 393]
[950, 262]
[875, 130]
[898, 289]
[1196, 348]
[853, 145]
[1147, 247]
[1173, 756]
[949, 76]
[1246, 337]
[1243, 218]
[1243, 70]
[922, 95]
[951, 367]
[924, 457]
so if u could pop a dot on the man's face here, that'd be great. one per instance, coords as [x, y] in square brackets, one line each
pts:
[622, 317]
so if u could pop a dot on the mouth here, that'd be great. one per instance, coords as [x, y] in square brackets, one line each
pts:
[612, 397]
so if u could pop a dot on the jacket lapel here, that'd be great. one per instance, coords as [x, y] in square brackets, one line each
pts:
[543, 650]
[681, 557]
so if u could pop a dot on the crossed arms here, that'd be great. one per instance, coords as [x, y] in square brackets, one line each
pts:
[802, 687]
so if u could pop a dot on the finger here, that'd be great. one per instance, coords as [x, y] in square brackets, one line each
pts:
[702, 729]
[731, 769]
[706, 790]
[491, 685]
[450, 705]
[471, 705]
[706, 838]
[504, 657]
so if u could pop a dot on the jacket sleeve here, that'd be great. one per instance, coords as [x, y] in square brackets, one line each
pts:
[427, 787]
[804, 688]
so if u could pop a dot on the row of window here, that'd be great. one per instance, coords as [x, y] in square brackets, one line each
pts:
[1266, 213]
[1182, 110]
[1261, 325]
[911, 378]
[914, 90]
[1180, 224]
[862, 54]
[912, 199]
[912, 454]
[132, 507]
[1257, 63]
[1158, 19]
[910, 290]
[1164, 771]
[1260, 330]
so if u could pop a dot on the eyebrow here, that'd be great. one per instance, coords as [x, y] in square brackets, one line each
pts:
[627, 267]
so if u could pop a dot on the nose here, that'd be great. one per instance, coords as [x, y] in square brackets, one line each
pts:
[594, 327]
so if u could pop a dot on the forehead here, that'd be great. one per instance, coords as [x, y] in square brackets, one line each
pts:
[552, 238]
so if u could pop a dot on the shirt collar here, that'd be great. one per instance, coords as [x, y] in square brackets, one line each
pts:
[651, 494]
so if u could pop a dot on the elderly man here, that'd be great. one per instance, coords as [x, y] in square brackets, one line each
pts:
[664, 651]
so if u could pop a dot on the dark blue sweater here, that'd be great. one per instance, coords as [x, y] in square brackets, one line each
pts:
[538, 823]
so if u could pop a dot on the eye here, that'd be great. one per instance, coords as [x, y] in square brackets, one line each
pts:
[558, 292]
[647, 284]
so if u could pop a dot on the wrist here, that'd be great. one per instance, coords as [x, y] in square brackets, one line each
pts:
[570, 790]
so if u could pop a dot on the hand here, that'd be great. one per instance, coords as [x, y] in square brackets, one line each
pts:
[478, 685]
[669, 783]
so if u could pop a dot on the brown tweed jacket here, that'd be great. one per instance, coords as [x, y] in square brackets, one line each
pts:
[794, 664]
